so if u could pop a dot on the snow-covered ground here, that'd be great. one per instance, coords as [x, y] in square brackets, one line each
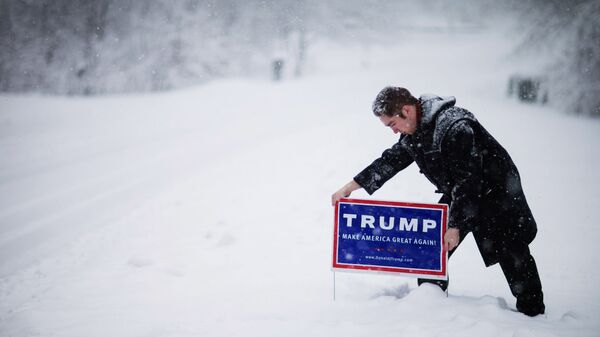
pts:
[206, 212]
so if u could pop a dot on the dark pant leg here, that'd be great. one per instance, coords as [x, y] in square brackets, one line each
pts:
[521, 272]
[444, 283]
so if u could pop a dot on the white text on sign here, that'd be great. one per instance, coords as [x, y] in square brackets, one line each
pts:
[404, 224]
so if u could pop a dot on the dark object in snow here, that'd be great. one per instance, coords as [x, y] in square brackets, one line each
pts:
[569, 57]
[477, 178]
[277, 69]
[530, 89]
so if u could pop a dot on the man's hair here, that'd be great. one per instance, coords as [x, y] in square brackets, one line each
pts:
[390, 100]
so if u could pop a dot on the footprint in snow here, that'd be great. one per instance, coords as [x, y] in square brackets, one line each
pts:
[226, 240]
[397, 292]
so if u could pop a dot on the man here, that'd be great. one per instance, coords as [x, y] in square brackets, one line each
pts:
[476, 176]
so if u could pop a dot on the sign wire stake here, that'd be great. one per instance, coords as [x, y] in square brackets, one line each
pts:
[334, 286]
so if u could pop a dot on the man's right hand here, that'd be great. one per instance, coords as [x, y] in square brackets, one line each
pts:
[451, 239]
[344, 192]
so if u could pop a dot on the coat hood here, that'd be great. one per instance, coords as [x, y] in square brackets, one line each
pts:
[431, 105]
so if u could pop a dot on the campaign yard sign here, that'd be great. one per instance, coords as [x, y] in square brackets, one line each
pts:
[394, 237]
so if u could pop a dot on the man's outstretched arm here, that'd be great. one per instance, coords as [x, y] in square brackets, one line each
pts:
[392, 161]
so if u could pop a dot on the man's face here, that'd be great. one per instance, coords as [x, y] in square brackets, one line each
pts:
[397, 123]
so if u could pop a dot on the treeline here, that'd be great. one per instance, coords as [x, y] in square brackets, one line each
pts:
[113, 46]
[91, 47]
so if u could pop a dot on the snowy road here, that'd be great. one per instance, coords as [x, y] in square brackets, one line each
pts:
[206, 212]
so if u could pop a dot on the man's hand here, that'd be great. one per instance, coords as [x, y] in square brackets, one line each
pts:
[451, 239]
[344, 192]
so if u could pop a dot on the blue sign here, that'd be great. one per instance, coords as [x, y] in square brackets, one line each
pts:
[385, 236]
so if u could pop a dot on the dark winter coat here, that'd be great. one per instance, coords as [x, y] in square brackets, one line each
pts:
[474, 172]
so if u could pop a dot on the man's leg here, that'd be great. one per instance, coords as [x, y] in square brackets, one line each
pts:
[443, 283]
[521, 272]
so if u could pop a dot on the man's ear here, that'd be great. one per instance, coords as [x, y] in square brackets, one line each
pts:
[410, 110]
[404, 112]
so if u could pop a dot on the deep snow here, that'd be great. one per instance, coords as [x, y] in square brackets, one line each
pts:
[205, 212]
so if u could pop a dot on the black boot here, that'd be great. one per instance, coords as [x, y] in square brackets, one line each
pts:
[440, 283]
[531, 305]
